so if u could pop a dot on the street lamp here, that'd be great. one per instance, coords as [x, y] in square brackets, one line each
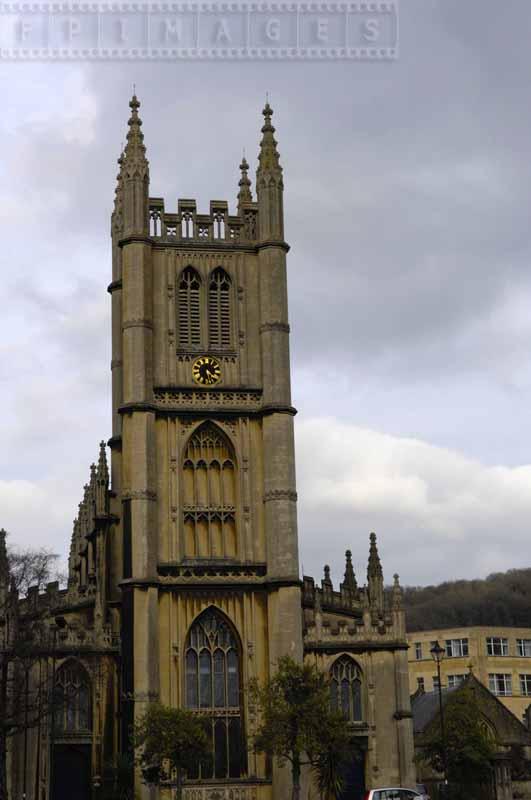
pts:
[438, 653]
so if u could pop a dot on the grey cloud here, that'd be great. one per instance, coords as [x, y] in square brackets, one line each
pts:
[407, 205]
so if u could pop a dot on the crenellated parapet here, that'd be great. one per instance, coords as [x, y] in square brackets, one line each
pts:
[353, 615]
[218, 226]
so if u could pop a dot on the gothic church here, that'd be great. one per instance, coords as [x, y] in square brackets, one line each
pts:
[183, 576]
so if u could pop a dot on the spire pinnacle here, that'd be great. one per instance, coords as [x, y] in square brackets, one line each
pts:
[244, 195]
[268, 157]
[4, 568]
[375, 583]
[134, 183]
[135, 149]
[374, 569]
[103, 470]
[349, 581]
[397, 592]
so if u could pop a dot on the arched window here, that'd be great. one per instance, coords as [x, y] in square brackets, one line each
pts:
[209, 491]
[345, 689]
[213, 687]
[189, 309]
[219, 309]
[73, 706]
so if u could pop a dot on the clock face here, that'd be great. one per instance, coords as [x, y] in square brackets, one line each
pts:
[206, 370]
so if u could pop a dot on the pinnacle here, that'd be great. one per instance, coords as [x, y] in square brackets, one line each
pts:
[374, 568]
[3, 550]
[135, 149]
[350, 578]
[268, 156]
[103, 470]
[244, 195]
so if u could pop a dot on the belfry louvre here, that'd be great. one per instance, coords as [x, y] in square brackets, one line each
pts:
[184, 579]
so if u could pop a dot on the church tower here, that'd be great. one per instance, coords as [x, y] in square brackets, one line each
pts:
[204, 571]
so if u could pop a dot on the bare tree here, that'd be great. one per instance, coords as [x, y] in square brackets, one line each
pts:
[24, 692]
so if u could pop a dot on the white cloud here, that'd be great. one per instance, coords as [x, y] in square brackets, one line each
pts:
[438, 513]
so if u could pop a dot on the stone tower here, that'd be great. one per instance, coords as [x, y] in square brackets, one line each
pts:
[203, 476]
[183, 578]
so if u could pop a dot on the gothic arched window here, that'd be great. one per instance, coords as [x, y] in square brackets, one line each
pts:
[213, 687]
[219, 309]
[72, 712]
[345, 689]
[189, 308]
[209, 492]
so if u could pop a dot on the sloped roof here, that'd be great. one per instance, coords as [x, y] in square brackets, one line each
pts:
[509, 729]
[425, 706]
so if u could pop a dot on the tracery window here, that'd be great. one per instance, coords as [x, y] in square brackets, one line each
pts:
[219, 309]
[209, 488]
[72, 711]
[345, 689]
[213, 687]
[189, 308]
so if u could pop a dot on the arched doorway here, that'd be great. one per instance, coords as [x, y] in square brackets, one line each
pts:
[72, 735]
[346, 696]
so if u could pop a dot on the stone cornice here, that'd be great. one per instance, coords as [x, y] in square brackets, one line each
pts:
[274, 326]
[280, 494]
[207, 585]
[137, 323]
[282, 245]
[350, 646]
[115, 286]
[179, 408]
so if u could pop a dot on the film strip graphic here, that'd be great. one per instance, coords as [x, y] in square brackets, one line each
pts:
[56, 31]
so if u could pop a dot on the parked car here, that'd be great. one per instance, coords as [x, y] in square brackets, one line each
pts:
[393, 793]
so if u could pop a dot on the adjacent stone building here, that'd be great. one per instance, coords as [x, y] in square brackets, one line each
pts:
[511, 740]
[184, 575]
[500, 658]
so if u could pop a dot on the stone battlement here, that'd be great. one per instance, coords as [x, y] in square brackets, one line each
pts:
[217, 226]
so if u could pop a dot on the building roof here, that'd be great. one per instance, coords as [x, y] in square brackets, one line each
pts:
[425, 706]
[508, 728]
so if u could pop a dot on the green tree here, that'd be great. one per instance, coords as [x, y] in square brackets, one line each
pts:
[329, 761]
[298, 726]
[468, 748]
[168, 741]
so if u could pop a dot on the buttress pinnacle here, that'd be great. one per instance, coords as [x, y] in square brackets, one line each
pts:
[244, 195]
[350, 578]
[4, 567]
[374, 567]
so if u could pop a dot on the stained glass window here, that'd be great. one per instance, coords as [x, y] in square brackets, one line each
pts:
[212, 664]
[345, 689]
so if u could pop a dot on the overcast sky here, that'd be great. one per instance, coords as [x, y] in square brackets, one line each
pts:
[408, 200]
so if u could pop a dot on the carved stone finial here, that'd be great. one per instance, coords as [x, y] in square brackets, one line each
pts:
[102, 482]
[326, 582]
[135, 149]
[4, 566]
[350, 578]
[397, 592]
[244, 195]
[135, 177]
[375, 585]
[268, 157]
[103, 470]
[374, 567]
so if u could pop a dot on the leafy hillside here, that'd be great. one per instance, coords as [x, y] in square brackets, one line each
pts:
[503, 598]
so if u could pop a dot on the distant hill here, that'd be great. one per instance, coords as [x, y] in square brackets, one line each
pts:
[503, 598]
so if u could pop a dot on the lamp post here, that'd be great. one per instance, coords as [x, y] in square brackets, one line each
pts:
[60, 623]
[438, 653]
